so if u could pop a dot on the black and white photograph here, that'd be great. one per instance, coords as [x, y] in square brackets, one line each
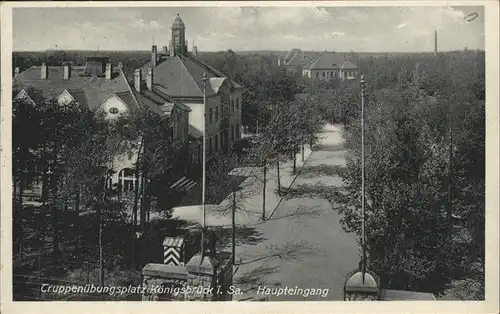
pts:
[208, 152]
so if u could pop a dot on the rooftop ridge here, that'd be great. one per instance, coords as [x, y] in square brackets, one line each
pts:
[201, 62]
[190, 76]
[128, 86]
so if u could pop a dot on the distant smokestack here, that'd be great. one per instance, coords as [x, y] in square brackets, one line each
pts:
[435, 42]
[149, 79]
[154, 55]
[195, 50]
[109, 71]
[44, 71]
[66, 71]
[137, 80]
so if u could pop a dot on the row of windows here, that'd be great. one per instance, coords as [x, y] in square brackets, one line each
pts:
[215, 140]
[334, 74]
[235, 105]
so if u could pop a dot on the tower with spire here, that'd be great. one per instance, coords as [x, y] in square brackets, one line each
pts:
[178, 43]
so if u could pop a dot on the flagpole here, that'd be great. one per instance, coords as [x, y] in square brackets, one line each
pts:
[363, 233]
[203, 222]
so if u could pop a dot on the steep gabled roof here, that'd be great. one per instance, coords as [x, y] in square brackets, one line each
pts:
[295, 60]
[182, 76]
[331, 60]
[91, 91]
[348, 65]
[291, 54]
[155, 100]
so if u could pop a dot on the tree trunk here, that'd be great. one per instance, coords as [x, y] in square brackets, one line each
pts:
[264, 194]
[450, 182]
[144, 209]
[279, 178]
[134, 216]
[55, 229]
[233, 226]
[45, 178]
[19, 222]
[101, 251]
[77, 209]
[294, 161]
[302, 152]
[101, 208]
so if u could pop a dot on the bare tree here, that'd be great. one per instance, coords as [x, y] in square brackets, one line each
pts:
[225, 177]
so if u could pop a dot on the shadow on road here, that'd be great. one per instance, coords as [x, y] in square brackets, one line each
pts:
[310, 172]
[257, 277]
[329, 193]
[329, 147]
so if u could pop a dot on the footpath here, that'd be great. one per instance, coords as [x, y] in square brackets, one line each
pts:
[307, 253]
[249, 198]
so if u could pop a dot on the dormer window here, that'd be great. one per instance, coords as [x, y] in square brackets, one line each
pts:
[113, 110]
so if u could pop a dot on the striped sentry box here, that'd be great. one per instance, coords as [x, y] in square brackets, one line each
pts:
[173, 251]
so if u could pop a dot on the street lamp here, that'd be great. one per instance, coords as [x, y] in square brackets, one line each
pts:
[360, 285]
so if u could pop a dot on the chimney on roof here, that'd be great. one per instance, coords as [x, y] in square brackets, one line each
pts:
[44, 71]
[109, 71]
[137, 80]
[195, 50]
[154, 55]
[66, 71]
[16, 71]
[149, 79]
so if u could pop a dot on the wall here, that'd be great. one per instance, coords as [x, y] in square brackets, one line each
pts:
[328, 73]
[113, 102]
[214, 128]
[65, 98]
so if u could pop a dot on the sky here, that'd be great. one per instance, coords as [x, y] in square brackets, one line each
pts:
[360, 29]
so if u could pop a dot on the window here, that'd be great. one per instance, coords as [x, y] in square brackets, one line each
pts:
[126, 180]
[210, 116]
[237, 131]
[233, 107]
[237, 104]
[210, 146]
[113, 110]
[222, 111]
[317, 74]
[232, 132]
[216, 113]
[324, 74]
[216, 143]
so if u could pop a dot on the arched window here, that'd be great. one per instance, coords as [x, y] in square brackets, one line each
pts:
[126, 180]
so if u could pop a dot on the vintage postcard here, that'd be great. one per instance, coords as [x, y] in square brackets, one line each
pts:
[269, 152]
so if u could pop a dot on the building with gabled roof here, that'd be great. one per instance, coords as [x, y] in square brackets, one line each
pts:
[295, 59]
[101, 88]
[331, 65]
[178, 74]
